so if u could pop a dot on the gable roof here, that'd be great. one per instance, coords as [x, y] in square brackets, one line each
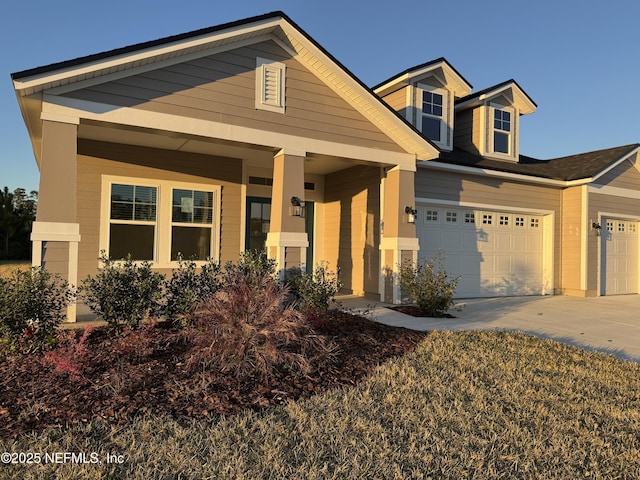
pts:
[460, 84]
[275, 25]
[584, 166]
[524, 101]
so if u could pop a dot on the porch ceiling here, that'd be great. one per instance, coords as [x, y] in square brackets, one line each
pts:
[255, 155]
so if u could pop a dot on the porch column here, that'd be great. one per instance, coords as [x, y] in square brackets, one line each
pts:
[287, 241]
[399, 242]
[56, 216]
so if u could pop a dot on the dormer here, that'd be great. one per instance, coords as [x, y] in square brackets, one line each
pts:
[425, 95]
[488, 122]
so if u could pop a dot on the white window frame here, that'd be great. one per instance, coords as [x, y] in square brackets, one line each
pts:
[163, 223]
[110, 221]
[446, 115]
[491, 130]
[211, 225]
[277, 70]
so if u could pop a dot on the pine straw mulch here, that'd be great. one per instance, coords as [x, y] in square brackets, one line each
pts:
[153, 379]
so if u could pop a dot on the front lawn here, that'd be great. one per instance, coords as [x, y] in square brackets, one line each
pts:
[482, 405]
[7, 267]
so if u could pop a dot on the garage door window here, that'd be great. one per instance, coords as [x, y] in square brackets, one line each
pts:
[452, 217]
[487, 219]
[469, 217]
[431, 216]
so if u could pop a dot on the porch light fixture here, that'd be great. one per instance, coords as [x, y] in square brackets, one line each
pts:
[297, 207]
[411, 214]
[597, 228]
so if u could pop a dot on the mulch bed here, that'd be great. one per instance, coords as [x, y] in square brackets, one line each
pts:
[119, 387]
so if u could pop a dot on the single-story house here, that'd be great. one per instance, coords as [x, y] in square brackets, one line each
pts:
[250, 135]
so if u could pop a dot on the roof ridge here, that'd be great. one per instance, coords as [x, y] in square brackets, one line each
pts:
[144, 45]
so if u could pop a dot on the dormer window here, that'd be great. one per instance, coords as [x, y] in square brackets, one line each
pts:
[432, 114]
[501, 131]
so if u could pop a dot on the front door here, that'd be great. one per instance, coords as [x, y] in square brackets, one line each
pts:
[259, 220]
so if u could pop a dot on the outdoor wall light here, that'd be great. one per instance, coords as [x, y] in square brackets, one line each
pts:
[411, 214]
[597, 228]
[297, 207]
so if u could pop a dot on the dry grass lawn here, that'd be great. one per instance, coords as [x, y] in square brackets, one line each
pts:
[7, 267]
[473, 405]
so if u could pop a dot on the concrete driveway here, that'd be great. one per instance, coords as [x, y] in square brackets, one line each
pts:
[605, 324]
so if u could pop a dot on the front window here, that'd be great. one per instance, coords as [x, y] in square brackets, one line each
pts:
[132, 221]
[501, 131]
[191, 224]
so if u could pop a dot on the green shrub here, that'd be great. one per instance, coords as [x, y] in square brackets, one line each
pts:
[315, 291]
[245, 328]
[187, 287]
[253, 267]
[123, 293]
[430, 285]
[32, 306]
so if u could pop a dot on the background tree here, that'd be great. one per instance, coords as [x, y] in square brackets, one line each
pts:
[17, 213]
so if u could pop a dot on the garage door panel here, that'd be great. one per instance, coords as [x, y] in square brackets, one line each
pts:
[619, 257]
[499, 254]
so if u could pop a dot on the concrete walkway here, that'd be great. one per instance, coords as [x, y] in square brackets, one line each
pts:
[605, 324]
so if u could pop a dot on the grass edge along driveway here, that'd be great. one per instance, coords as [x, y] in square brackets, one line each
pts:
[463, 405]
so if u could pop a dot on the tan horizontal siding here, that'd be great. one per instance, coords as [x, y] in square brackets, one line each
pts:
[398, 101]
[464, 130]
[351, 227]
[56, 258]
[98, 158]
[450, 186]
[571, 245]
[624, 175]
[221, 88]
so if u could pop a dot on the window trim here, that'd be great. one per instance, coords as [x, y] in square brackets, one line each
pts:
[263, 67]
[446, 115]
[163, 223]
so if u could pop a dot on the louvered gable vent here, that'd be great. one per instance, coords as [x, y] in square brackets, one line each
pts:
[270, 79]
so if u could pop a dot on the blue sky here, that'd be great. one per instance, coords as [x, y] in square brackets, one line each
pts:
[579, 63]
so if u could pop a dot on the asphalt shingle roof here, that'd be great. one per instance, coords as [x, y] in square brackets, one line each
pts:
[573, 167]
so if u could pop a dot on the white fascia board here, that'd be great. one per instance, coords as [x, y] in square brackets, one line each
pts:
[67, 109]
[480, 100]
[494, 173]
[359, 97]
[31, 84]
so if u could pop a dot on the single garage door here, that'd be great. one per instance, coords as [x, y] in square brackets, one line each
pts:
[619, 265]
[495, 253]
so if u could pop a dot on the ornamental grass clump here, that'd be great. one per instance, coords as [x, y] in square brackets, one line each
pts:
[247, 329]
[429, 284]
[32, 305]
[123, 293]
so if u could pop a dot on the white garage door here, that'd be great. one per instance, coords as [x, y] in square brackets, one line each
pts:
[495, 253]
[619, 265]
